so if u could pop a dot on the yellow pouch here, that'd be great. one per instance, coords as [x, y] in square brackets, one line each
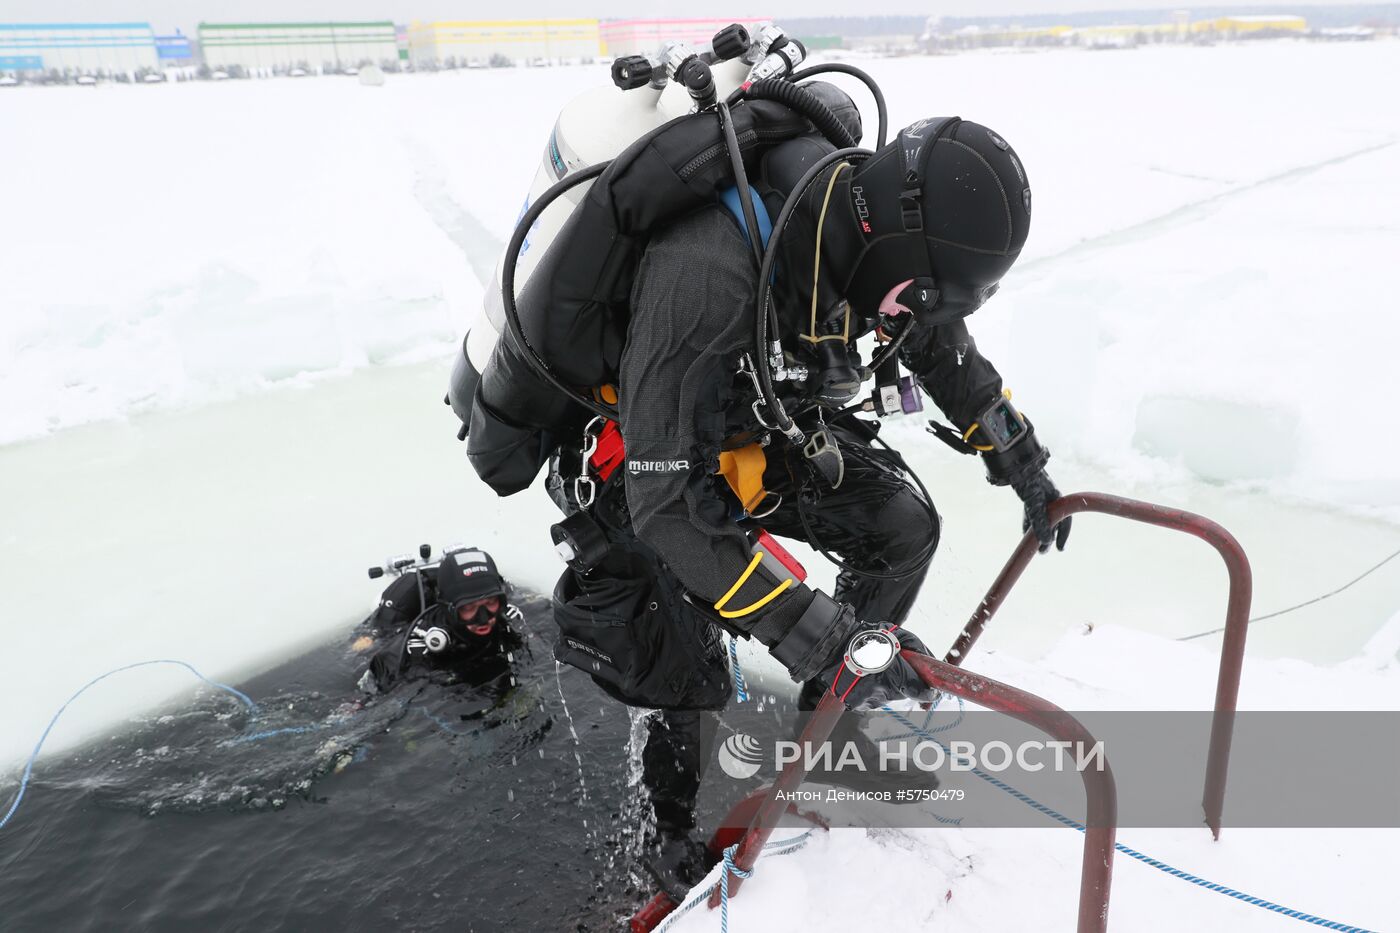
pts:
[743, 470]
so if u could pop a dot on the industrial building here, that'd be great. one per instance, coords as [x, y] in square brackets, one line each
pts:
[285, 46]
[1251, 26]
[84, 48]
[526, 40]
[645, 36]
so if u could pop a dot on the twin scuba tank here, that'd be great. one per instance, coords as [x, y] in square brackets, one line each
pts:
[616, 167]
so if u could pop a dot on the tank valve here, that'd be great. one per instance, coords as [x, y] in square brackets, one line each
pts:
[783, 58]
[730, 42]
[632, 71]
[699, 81]
[759, 42]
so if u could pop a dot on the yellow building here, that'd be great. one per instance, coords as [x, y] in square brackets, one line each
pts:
[478, 41]
[1124, 36]
[1269, 24]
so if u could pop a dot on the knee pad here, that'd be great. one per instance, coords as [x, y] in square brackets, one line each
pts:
[908, 524]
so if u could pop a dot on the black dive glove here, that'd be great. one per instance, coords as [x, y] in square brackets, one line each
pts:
[861, 689]
[1037, 492]
[1014, 458]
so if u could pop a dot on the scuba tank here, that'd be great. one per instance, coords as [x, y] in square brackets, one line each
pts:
[594, 128]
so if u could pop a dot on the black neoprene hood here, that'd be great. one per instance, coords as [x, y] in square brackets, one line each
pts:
[468, 575]
[947, 199]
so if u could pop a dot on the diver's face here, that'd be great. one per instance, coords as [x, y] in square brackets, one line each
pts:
[477, 622]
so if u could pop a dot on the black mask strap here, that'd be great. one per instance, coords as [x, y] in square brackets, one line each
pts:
[916, 143]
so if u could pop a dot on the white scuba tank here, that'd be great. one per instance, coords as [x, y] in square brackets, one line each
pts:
[594, 127]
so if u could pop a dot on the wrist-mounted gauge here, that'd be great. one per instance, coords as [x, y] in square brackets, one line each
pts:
[999, 428]
[872, 651]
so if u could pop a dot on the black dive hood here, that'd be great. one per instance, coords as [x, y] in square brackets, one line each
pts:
[947, 204]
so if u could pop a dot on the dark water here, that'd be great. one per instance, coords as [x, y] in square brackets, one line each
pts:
[432, 808]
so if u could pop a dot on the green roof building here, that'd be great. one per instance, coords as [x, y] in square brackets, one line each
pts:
[313, 46]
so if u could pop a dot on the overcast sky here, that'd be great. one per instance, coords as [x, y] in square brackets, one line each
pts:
[167, 14]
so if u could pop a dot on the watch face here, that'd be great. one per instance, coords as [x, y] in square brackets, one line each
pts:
[872, 652]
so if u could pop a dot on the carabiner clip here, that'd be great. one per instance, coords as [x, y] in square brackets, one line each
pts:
[746, 368]
[591, 431]
[585, 491]
[759, 404]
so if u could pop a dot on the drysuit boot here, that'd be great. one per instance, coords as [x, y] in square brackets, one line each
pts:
[677, 863]
[677, 748]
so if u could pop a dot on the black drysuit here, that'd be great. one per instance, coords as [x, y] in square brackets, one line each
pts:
[681, 403]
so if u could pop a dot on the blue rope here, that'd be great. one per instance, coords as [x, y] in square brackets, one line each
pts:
[740, 687]
[729, 868]
[781, 847]
[259, 736]
[1145, 859]
[444, 725]
[29, 765]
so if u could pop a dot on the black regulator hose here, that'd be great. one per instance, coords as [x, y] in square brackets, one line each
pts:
[798, 98]
[883, 354]
[864, 78]
[741, 184]
[517, 239]
[765, 280]
[741, 181]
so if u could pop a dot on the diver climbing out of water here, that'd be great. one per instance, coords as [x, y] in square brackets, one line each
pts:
[716, 346]
[463, 634]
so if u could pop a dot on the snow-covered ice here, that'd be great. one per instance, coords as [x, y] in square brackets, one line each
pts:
[897, 880]
[203, 286]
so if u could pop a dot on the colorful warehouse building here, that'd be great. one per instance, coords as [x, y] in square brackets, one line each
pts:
[281, 46]
[77, 47]
[480, 41]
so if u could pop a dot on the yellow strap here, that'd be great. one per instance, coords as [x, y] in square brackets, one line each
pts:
[738, 584]
[968, 433]
[754, 607]
[743, 470]
[845, 334]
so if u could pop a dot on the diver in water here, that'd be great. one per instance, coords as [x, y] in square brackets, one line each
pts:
[680, 486]
[464, 634]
